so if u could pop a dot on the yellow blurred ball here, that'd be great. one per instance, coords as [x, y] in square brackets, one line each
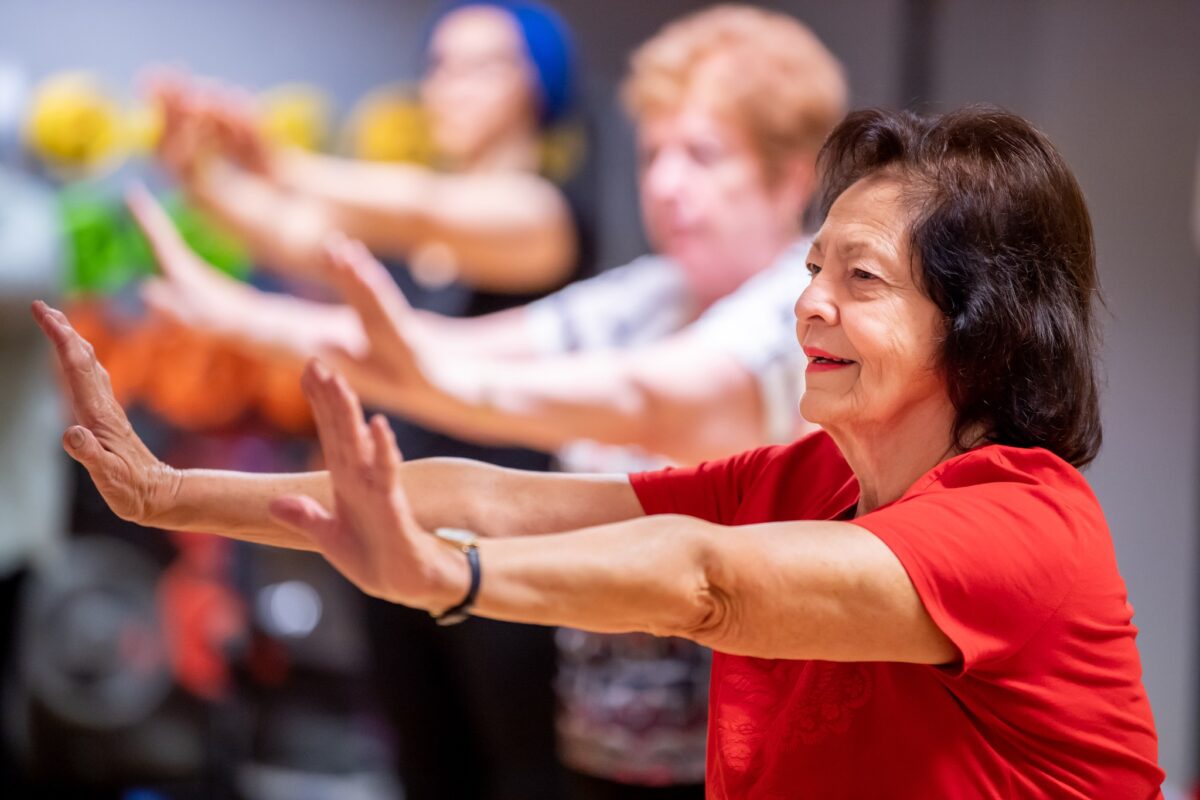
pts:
[74, 124]
[296, 114]
[388, 124]
[143, 128]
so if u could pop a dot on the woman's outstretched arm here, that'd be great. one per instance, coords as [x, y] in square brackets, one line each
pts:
[797, 590]
[447, 492]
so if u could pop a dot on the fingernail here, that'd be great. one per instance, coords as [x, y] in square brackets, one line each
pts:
[75, 438]
[320, 371]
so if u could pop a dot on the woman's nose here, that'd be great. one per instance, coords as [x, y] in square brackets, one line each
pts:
[816, 304]
[664, 175]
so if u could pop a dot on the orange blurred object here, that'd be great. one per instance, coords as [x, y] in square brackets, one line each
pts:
[203, 616]
[195, 381]
[191, 380]
[281, 401]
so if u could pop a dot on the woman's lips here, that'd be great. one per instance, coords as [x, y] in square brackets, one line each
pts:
[822, 361]
[815, 365]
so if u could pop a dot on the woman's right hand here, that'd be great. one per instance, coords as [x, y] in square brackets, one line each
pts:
[136, 485]
[204, 118]
[190, 291]
[193, 293]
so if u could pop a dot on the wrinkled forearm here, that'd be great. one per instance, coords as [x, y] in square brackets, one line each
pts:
[236, 504]
[644, 575]
[795, 590]
[442, 492]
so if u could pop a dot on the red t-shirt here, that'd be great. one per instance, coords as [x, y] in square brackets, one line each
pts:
[1009, 551]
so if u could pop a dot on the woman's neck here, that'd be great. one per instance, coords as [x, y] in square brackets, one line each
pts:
[889, 457]
[515, 152]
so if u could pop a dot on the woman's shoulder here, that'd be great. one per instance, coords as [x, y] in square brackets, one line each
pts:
[998, 461]
[1004, 469]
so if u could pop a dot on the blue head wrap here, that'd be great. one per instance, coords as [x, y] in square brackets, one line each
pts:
[549, 46]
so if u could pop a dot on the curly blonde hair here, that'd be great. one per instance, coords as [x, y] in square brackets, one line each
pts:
[772, 76]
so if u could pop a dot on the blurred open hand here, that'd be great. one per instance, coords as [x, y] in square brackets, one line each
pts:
[195, 294]
[190, 291]
[204, 118]
[132, 481]
[388, 366]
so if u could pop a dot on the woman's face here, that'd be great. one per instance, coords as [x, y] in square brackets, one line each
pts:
[478, 83]
[705, 201]
[870, 334]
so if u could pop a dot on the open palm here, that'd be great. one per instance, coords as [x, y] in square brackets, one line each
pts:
[371, 537]
[132, 481]
[388, 366]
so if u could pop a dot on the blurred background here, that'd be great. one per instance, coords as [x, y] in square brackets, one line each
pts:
[176, 666]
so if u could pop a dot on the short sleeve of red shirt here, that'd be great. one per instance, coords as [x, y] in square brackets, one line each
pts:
[748, 487]
[992, 541]
[711, 490]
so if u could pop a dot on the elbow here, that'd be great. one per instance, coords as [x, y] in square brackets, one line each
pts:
[707, 611]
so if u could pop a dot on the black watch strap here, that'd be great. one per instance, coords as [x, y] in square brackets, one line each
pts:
[458, 613]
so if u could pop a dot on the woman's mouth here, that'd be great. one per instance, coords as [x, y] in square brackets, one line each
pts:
[820, 361]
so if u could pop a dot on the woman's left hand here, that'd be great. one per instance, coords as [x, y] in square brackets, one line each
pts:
[371, 537]
[389, 368]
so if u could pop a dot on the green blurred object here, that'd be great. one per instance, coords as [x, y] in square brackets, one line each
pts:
[105, 249]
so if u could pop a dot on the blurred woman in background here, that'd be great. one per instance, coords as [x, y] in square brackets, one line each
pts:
[484, 228]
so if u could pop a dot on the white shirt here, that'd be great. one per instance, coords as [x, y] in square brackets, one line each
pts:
[648, 300]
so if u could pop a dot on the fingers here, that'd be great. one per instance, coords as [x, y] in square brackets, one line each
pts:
[387, 454]
[309, 518]
[237, 119]
[87, 381]
[50, 321]
[303, 513]
[170, 251]
[338, 417]
[346, 362]
[366, 286]
[74, 352]
[81, 445]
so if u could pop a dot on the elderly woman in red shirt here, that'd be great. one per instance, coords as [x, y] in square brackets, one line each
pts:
[921, 600]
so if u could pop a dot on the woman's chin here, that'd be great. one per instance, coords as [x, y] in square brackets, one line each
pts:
[819, 410]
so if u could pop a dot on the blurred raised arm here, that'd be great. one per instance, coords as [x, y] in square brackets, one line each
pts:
[447, 492]
[505, 231]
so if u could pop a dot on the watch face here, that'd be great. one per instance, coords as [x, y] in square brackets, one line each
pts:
[456, 536]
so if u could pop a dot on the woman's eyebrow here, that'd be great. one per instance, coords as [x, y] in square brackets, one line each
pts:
[854, 246]
[850, 248]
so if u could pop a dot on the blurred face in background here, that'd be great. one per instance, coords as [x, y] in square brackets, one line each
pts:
[706, 201]
[478, 84]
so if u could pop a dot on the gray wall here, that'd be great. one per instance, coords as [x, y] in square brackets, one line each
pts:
[1117, 87]
[1115, 83]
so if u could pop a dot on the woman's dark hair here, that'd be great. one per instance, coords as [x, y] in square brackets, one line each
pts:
[1003, 242]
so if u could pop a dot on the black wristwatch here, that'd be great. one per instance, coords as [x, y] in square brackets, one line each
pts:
[468, 543]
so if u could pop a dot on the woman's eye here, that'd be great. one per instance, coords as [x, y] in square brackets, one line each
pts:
[813, 269]
[862, 274]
